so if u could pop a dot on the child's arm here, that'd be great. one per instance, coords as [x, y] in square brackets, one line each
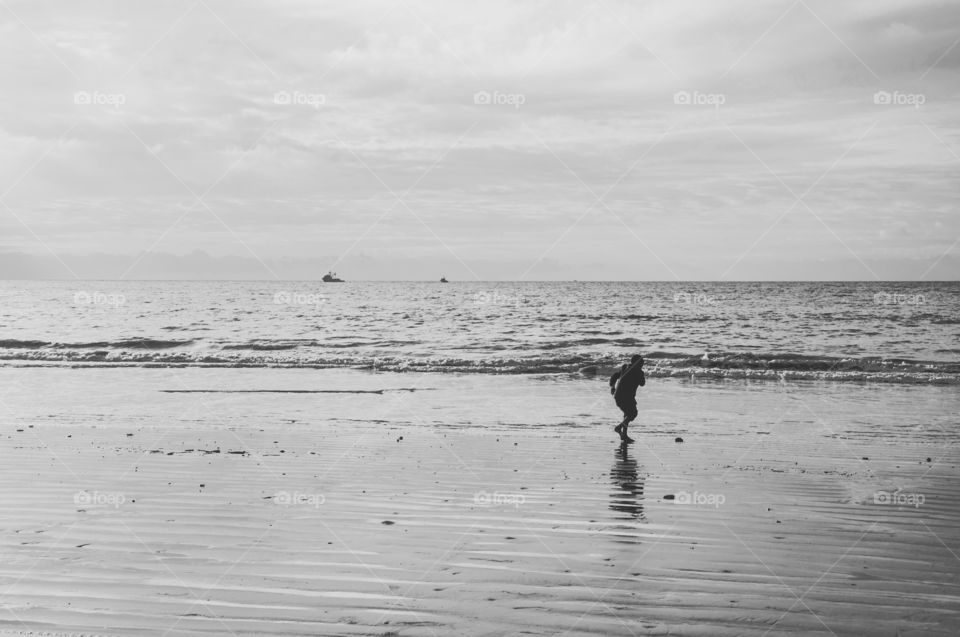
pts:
[613, 382]
[643, 378]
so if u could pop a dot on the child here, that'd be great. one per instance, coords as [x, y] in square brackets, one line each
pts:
[623, 386]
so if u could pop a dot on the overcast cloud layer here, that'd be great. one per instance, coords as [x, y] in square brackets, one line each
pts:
[499, 140]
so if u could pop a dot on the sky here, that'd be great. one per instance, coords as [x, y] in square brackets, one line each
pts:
[605, 140]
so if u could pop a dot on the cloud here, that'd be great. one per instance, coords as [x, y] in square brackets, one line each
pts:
[378, 98]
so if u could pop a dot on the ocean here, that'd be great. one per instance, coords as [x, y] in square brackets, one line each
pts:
[895, 332]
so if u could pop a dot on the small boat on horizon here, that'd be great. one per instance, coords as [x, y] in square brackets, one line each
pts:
[443, 279]
[331, 277]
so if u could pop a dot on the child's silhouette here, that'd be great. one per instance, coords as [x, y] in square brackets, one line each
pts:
[623, 386]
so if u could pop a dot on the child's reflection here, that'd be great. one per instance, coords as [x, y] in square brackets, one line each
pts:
[627, 495]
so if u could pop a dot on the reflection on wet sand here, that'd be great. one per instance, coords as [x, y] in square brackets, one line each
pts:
[627, 495]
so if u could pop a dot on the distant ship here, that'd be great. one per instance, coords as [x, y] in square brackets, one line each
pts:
[331, 277]
[443, 279]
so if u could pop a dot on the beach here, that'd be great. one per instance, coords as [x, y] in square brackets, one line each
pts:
[161, 501]
[312, 315]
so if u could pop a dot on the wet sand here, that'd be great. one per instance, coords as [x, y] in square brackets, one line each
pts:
[472, 505]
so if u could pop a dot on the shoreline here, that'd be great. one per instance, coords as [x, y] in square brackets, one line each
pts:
[576, 372]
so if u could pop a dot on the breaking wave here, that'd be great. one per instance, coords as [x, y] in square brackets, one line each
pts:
[146, 352]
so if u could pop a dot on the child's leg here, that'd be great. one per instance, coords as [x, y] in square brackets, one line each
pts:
[629, 416]
[625, 420]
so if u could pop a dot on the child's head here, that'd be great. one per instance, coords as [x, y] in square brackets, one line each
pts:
[636, 359]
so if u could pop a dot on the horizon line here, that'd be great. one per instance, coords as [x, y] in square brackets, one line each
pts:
[68, 280]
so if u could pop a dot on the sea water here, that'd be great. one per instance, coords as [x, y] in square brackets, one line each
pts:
[861, 331]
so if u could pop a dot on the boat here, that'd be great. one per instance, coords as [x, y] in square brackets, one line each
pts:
[331, 277]
[443, 279]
